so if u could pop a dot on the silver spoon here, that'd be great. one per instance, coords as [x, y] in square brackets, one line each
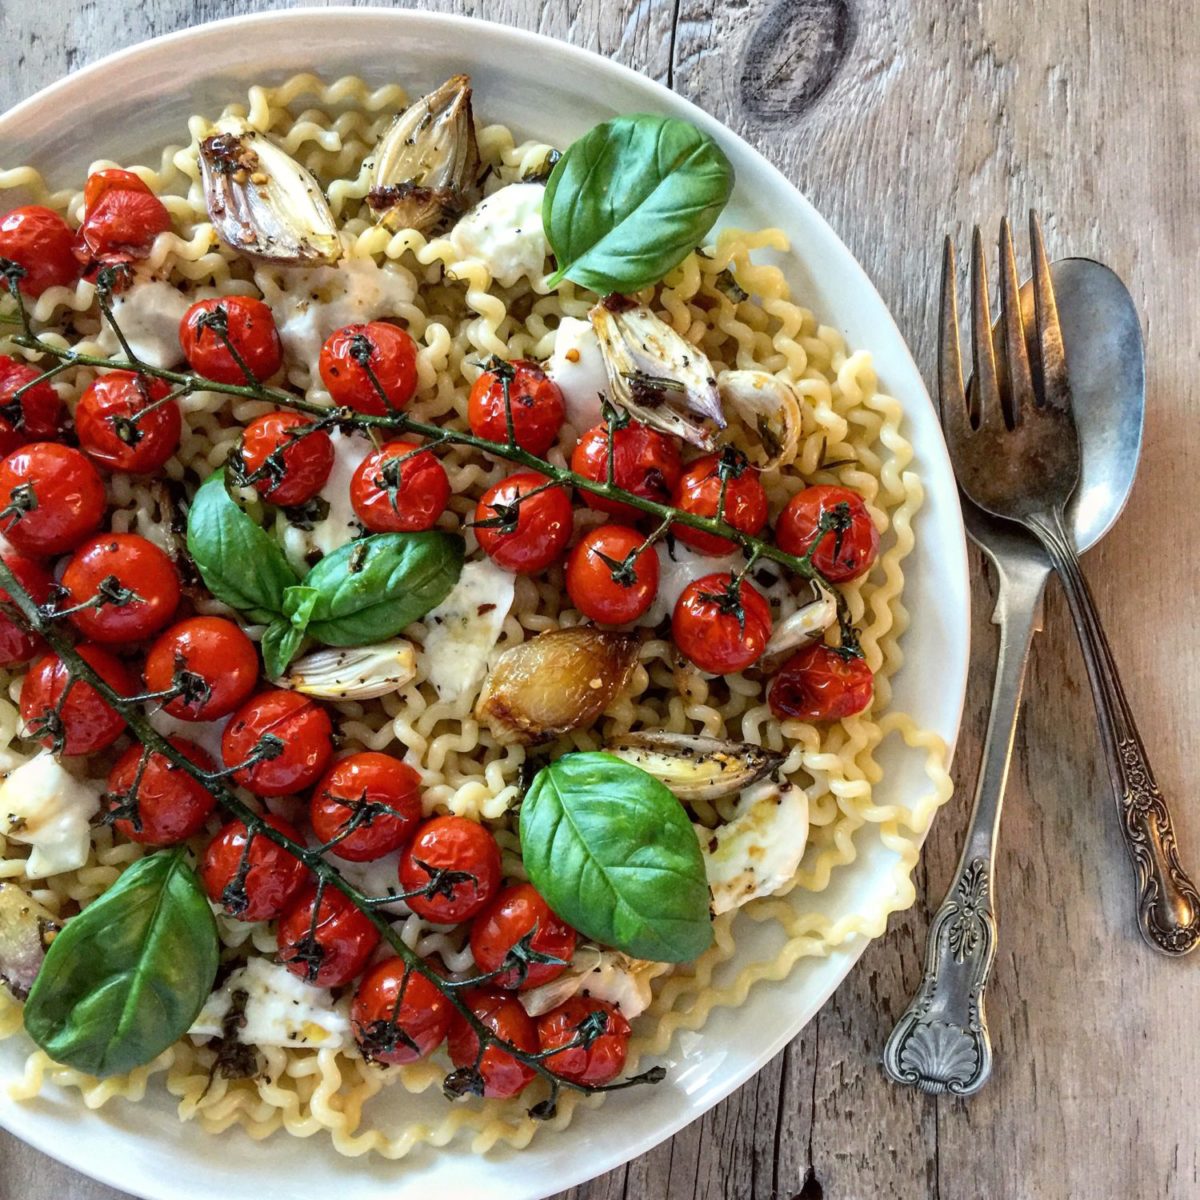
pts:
[941, 1042]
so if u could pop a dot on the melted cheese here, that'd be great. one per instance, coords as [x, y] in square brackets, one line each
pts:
[577, 366]
[504, 232]
[148, 313]
[44, 806]
[206, 734]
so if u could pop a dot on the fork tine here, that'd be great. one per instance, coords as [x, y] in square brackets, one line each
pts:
[952, 398]
[1051, 361]
[1016, 360]
[986, 387]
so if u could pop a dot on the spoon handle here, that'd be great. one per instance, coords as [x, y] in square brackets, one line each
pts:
[1168, 904]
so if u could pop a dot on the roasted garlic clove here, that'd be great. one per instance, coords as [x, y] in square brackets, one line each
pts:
[805, 625]
[765, 416]
[353, 672]
[696, 768]
[658, 377]
[427, 167]
[606, 975]
[560, 680]
[262, 202]
[26, 929]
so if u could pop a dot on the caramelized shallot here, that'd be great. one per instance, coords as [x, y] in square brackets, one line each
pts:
[696, 768]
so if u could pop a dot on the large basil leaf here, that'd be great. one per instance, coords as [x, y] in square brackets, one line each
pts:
[631, 199]
[129, 975]
[239, 561]
[614, 855]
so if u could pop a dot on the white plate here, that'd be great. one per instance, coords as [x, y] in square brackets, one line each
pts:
[140, 99]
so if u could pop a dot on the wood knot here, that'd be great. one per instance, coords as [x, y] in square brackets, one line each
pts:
[793, 56]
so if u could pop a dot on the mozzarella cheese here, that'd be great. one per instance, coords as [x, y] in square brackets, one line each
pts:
[577, 366]
[676, 571]
[148, 313]
[206, 734]
[504, 232]
[44, 806]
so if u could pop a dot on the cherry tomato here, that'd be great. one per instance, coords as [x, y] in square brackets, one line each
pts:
[821, 683]
[699, 492]
[250, 327]
[136, 583]
[51, 498]
[333, 949]
[709, 630]
[294, 465]
[121, 225]
[537, 406]
[850, 543]
[595, 1064]
[36, 416]
[398, 1016]
[213, 661]
[503, 1075]
[82, 722]
[530, 535]
[250, 877]
[111, 179]
[17, 644]
[600, 586]
[169, 806]
[303, 737]
[388, 789]
[513, 915]
[645, 462]
[352, 355]
[398, 490]
[461, 859]
[125, 423]
[42, 242]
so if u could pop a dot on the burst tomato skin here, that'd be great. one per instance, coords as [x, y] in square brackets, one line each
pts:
[250, 327]
[543, 526]
[272, 879]
[39, 240]
[645, 462]
[121, 224]
[503, 1075]
[397, 490]
[110, 179]
[68, 492]
[590, 579]
[332, 951]
[297, 721]
[391, 996]
[699, 492]
[17, 644]
[171, 805]
[597, 1064]
[391, 356]
[216, 650]
[451, 844]
[373, 779]
[138, 566]
[711, 635]
[538, 410]
[88, 723]
[516, 912]
[845, 552]
[307, 458]
[116, 398]
[821, 683]
[36, 416]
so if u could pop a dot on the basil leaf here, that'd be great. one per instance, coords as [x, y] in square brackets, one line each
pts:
[631, 199]
[371, 588]
[614, 855]
[129, 975]
[285, 634]
[238, 560]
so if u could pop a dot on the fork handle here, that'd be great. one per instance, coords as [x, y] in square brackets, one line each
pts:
[1168, 904]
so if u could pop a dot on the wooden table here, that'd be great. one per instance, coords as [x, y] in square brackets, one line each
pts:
[902, 120]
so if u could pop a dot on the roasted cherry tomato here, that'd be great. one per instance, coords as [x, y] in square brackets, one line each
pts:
[251, 877]
[329, 945]
[125, 422]
[599, 583]
[503, 1075]
[249, 326]
[710, 630]
[111, 179]
[516, 914]
[302, 742]
[133, 584]
[537, 405]
[351, 356]
[645, 462]
[42, 242]
[286, 464]
[849, 541]
[121, 221]
[399, 489]
[51, 498]
[398, 1016]
[524, 536]
[385, 790]
[167, 806]
[211, 661]
[81, 722]
[36, 416]
[458, 861]
[699, 492]
[821, 683]
[17, 644]
[603, 1058]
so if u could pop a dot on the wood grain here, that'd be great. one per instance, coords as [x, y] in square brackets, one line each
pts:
[902, 120]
